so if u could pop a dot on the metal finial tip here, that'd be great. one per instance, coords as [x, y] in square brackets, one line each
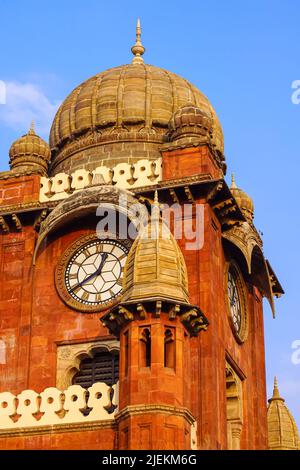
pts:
[233, 184]
[276, 393]
[155, 209]
[138, 48]
[31, 129]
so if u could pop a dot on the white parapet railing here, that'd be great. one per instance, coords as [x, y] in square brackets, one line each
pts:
[53, 407]
[124, 175]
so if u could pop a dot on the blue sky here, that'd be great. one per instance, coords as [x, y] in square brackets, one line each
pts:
[243, 55]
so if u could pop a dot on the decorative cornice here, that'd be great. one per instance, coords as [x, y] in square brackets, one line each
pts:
[4, 175]
[190, 315]
[22, 207]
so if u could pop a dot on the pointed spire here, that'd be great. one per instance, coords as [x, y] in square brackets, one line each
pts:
[233, 184]
[275, 389]
[138, 48]
[31, 130]
[276, 394]
[155, 210]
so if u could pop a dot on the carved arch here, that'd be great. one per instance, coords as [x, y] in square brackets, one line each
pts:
[70, 356]
[248, 244]
[86, 202]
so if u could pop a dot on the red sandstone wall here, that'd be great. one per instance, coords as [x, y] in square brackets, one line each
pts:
[104, 439]
[188, 162]
[33, 320]
[206, 271]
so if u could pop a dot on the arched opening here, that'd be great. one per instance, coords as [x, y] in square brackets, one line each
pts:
[234, 409]
[145, 347]
[169, 348]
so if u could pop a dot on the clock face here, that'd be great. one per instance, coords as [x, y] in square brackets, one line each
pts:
[237, 307]
[91, 276]
[234, 302]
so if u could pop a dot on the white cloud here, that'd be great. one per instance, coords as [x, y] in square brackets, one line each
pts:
[26, 102]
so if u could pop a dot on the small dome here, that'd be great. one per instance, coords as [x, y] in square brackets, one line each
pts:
[244, 201]
[282, 429]
[155, 267]
[190, 120]
[30, 153]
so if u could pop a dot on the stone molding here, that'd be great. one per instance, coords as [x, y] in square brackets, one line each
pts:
[191, 316]
[58, 428]
[165, 409]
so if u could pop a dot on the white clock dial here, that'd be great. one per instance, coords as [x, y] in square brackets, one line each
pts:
[94, 273]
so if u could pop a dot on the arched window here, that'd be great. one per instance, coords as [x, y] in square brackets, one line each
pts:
[145, 347]
[102, 367]
[169, 351]
[234, 408]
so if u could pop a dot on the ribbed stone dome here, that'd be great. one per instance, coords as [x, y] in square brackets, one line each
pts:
[122, 115]
[282, 429]
[190, 120]
[155, 266]
[29, 153]
[244, 201]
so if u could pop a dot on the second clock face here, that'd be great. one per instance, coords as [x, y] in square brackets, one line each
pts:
[237, 307]
[234, 302]
[94, 273]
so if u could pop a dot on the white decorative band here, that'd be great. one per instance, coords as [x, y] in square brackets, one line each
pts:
[124, 175]
[54, 407]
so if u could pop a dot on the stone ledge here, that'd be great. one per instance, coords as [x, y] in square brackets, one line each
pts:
[57, 428]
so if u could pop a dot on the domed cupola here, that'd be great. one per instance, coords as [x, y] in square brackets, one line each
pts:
[122, 115]
[155, 280]
[30, 153]
[155, 267]
[243, 199]
[190, 122]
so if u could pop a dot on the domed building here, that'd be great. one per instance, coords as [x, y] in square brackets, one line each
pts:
[132, 277]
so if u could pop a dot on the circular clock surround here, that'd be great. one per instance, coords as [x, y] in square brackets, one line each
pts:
[236, 302]
[89, 274]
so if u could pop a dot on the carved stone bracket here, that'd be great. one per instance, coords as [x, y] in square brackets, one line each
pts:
[190, 315]
[4, 224]
[16, 222]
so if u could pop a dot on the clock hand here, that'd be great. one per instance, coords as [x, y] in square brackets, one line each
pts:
[96, 273]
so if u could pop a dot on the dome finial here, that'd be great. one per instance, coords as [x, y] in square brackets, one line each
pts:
[233, 184]
[138, 48]
[276, 393]
[155, 210]
[31, 130]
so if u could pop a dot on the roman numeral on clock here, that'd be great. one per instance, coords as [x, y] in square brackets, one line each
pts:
[85, 296]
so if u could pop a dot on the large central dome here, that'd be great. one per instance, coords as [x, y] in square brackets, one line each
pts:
[122, 115]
